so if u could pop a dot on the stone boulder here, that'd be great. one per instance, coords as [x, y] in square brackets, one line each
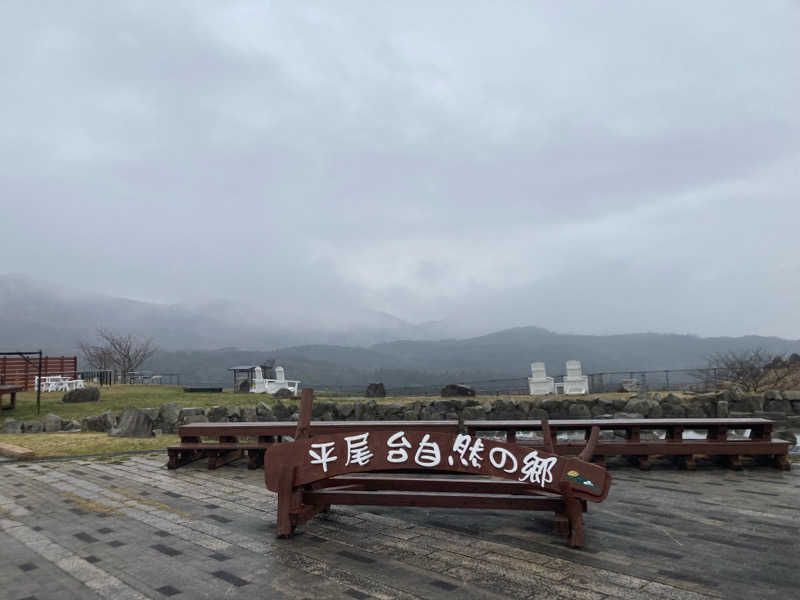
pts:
[745, 403]
[579, 411]
[153, 412]
[101, 423]
[264, 412]
[538, 413]
[365, 411]
[696, 410]
[52, 423]
[73, 425]
[194, 411]
[433, 411]
[249, 414]
[474, 413]
[168, 417]
[321, 410]
[673, 411]
[217, 414]
[345, 410]
[627, 415]
[282, 412]
[456, 389]
[195, 419]
[619, 404]
[793, 395]
[778, 406]
[557, 409]
[133, 422]
[411, 411]
[391, 411]
[234, 413]
[284, 393]
[87, 394]
[31, 426]
[644, 406]
[503, 409]
[12, 426]
[375, 390]
[722, 409]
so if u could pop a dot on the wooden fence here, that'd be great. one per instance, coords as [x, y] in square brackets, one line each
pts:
[16, 370]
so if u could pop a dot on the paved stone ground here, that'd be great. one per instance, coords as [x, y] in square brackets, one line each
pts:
[130, 529]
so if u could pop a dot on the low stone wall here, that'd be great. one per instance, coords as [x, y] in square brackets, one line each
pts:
[783, 407]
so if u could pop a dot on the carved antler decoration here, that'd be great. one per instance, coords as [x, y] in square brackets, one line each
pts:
[588, 450]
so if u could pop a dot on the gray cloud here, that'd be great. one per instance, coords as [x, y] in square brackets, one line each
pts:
[635, 168]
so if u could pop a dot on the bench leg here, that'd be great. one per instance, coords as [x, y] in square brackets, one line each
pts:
[284, 526]
[686, 461]
[217, 458]
[561, 524]
[178, 458]
[640, 460]
[735, 462]
[599, 459]
[782, 462]
[255, 458]
[574, 512]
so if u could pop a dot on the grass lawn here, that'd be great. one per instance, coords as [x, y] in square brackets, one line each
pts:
[60, 444]
[117, 397]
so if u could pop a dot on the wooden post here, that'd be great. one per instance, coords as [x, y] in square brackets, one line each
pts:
[304, 417]
[547, 435]
[284, 522]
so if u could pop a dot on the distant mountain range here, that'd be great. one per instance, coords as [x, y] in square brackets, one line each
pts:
[202, 342]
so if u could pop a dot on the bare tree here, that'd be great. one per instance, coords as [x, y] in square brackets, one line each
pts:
[756, 370]
[125, 352]
[97, 357]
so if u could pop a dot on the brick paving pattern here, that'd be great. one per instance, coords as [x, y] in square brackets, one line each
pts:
[130, 529]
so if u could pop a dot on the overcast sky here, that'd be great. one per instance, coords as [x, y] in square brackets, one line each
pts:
[592, 167]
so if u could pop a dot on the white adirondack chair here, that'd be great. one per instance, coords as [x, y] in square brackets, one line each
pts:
[539, 383]
[258, 385]
[574, 381]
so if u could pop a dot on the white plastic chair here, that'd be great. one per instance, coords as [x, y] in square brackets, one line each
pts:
[539, 383]
[51, 384]
[574, 381]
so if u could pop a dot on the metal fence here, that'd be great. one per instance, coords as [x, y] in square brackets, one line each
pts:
[697, 380]
[98, 376]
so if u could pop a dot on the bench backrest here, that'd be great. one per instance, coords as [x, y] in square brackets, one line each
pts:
[419, 450]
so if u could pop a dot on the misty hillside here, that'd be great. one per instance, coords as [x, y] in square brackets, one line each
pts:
[202, 342]
[500, 355]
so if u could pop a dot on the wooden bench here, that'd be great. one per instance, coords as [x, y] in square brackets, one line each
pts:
[11, 390]
[227, 443]
[359, 467]
[632, 444]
